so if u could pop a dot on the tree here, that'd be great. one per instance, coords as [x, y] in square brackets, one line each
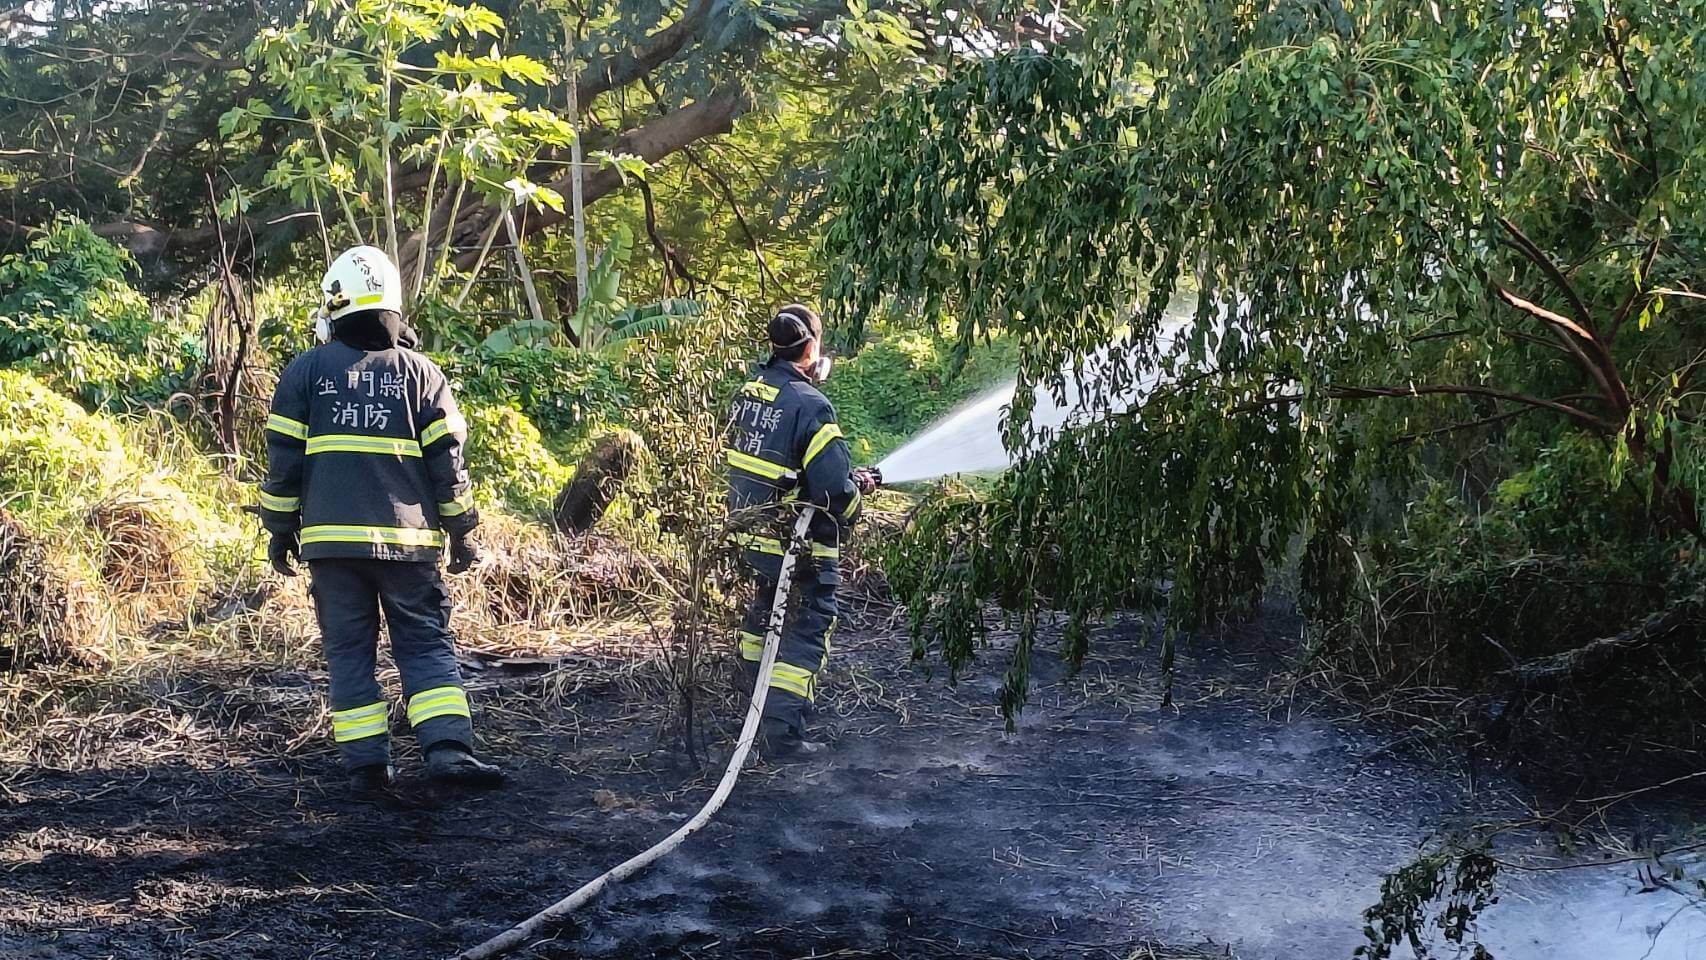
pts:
[113, 112]
[360, 82]
[1400, 224]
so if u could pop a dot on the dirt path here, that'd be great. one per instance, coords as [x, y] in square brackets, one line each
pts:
[1106, 826]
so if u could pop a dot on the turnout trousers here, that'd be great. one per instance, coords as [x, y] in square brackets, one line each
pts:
[806, 633]
[348, 597]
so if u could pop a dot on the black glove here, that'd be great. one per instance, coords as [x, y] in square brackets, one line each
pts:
[281, 549]
[464, 552]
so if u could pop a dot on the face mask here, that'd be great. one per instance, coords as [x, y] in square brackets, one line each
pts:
[819, 371]
[322, 326]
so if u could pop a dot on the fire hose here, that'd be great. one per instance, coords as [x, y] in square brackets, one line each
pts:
[522, 932]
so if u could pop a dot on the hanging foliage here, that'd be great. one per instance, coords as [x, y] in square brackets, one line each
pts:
[1402, 228]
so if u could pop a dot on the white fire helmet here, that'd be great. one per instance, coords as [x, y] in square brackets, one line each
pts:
[361, 278]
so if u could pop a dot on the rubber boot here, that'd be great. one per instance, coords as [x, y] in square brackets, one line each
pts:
[375, 778]
[451, 764]
[779, 742]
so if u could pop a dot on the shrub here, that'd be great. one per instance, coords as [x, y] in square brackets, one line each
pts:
[509, 461]
[126, 519]
[565, 393]
[68, 313]
[53, 454]
[1557, 554]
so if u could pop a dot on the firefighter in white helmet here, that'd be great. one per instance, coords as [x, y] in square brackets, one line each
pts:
[366, 482]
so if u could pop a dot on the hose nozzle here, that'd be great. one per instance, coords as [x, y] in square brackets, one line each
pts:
[867, 478]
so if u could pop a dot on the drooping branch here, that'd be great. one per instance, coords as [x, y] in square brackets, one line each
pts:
[1575, 413]
[1633, 92]
[674, 264]
[765, 277]
[1637, 294]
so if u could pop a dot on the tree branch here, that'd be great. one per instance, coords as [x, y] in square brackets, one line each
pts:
[1470, 390]
[765, 277]
[711, 116]
[626, 66]
[1527, 247]
[1551, 672]
[1425, 390]
[1633, 93]
[674, 264]
[1604, 371]
[1466, 425]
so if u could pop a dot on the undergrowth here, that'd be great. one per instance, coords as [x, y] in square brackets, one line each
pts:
[69, 314]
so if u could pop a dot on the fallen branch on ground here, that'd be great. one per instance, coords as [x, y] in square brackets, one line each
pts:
[1547, 673]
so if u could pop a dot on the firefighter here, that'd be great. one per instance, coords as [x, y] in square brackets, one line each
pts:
[784, 446]
[366, 482]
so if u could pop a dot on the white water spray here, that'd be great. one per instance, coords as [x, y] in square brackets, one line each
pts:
[968, 440]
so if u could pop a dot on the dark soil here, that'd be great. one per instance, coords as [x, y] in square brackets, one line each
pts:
[1231, 824]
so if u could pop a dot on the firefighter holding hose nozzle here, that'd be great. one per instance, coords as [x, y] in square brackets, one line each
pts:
[365, 480]
[784, 447]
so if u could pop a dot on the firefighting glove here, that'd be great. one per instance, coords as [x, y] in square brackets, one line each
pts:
[281, 549]
[464, 552]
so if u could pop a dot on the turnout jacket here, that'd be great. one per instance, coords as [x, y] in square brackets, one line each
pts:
[364, 455]
[784, 444]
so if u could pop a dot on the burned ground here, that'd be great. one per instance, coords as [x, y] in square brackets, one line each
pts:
[1233, 824]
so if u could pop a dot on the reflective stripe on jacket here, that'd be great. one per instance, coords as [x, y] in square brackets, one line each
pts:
[783, 443]
[364, 455]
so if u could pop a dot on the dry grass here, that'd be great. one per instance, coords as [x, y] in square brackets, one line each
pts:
[46, 615]
[144, 556]
[218, 676]
[537, 589]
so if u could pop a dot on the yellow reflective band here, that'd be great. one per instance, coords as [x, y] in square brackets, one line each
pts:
[853, 504]
[437, 702]
[295, 429]
[825, 433]
[353, 443]
[761, 544]
[796, 680]
[751, 646]
[359, 723]
[388, 536]
[369, 298]
[457, 507]
[280, 504]
[441, 428]
[760, 389]
[773, 546]
[758, 466]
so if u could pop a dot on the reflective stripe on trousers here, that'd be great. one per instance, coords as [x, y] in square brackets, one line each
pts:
[804, 647]
[348, 598]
